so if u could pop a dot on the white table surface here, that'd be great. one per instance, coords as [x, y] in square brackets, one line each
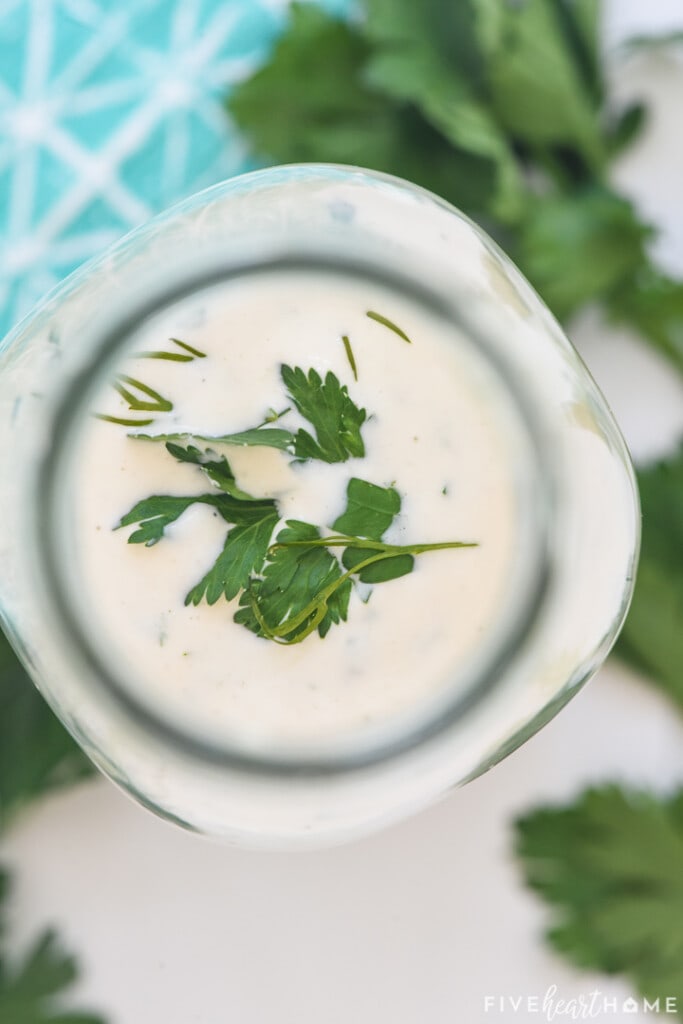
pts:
[423, 921]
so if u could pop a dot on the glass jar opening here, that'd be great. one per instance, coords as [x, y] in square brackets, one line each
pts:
[184, 719]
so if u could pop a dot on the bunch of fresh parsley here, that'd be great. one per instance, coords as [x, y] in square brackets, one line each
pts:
[501, 107]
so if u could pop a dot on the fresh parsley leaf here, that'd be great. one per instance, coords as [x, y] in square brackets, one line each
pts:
[326, 405]
[243, 553]
[253, 521]
[337, 422]
[653, 638]
[157, 512]
[264, 437]
[370, 511]
[37, 754]
[294, 577]
[392, 567]
[611, 866]
[216, 467]
[32, 991]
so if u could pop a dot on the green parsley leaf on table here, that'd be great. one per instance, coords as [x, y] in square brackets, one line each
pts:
[652, 638]
[611, 867]
[32, 991]
[36, 753]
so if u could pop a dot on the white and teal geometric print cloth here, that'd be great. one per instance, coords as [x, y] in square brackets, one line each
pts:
[109, 111]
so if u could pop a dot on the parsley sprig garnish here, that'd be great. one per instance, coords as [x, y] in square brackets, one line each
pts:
[304, 586]
[292, 578]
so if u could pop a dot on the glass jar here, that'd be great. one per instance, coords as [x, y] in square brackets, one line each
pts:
[577, 527]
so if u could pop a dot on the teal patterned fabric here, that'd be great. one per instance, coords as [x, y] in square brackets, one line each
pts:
[109, 111]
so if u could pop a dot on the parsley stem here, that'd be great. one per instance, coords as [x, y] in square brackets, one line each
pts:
[341, 540]
[172, 357]
[318, 606]
[187, 356]
[188, 348]
[122, 420]
[378, 318]
[350, 356]
[158, 403]
[272, 417]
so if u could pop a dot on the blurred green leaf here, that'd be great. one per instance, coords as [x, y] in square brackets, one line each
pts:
[428, 54]
[654, 41]
[307, 103]
[626, 128]
[575, 248]
[580, 22]
[611, 866]
[538, 92]
[653, 635]
[32, 992]
[653, 304]
[343, 119]
[444, 32]
[36, 752]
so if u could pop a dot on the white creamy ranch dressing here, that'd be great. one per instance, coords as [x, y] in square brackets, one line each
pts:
[438, 430]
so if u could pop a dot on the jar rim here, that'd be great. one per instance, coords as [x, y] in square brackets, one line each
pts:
[214, 269]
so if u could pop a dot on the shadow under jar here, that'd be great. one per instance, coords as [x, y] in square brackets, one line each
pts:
[391, 528]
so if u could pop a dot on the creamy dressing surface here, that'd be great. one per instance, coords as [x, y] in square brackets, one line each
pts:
[437, 430]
